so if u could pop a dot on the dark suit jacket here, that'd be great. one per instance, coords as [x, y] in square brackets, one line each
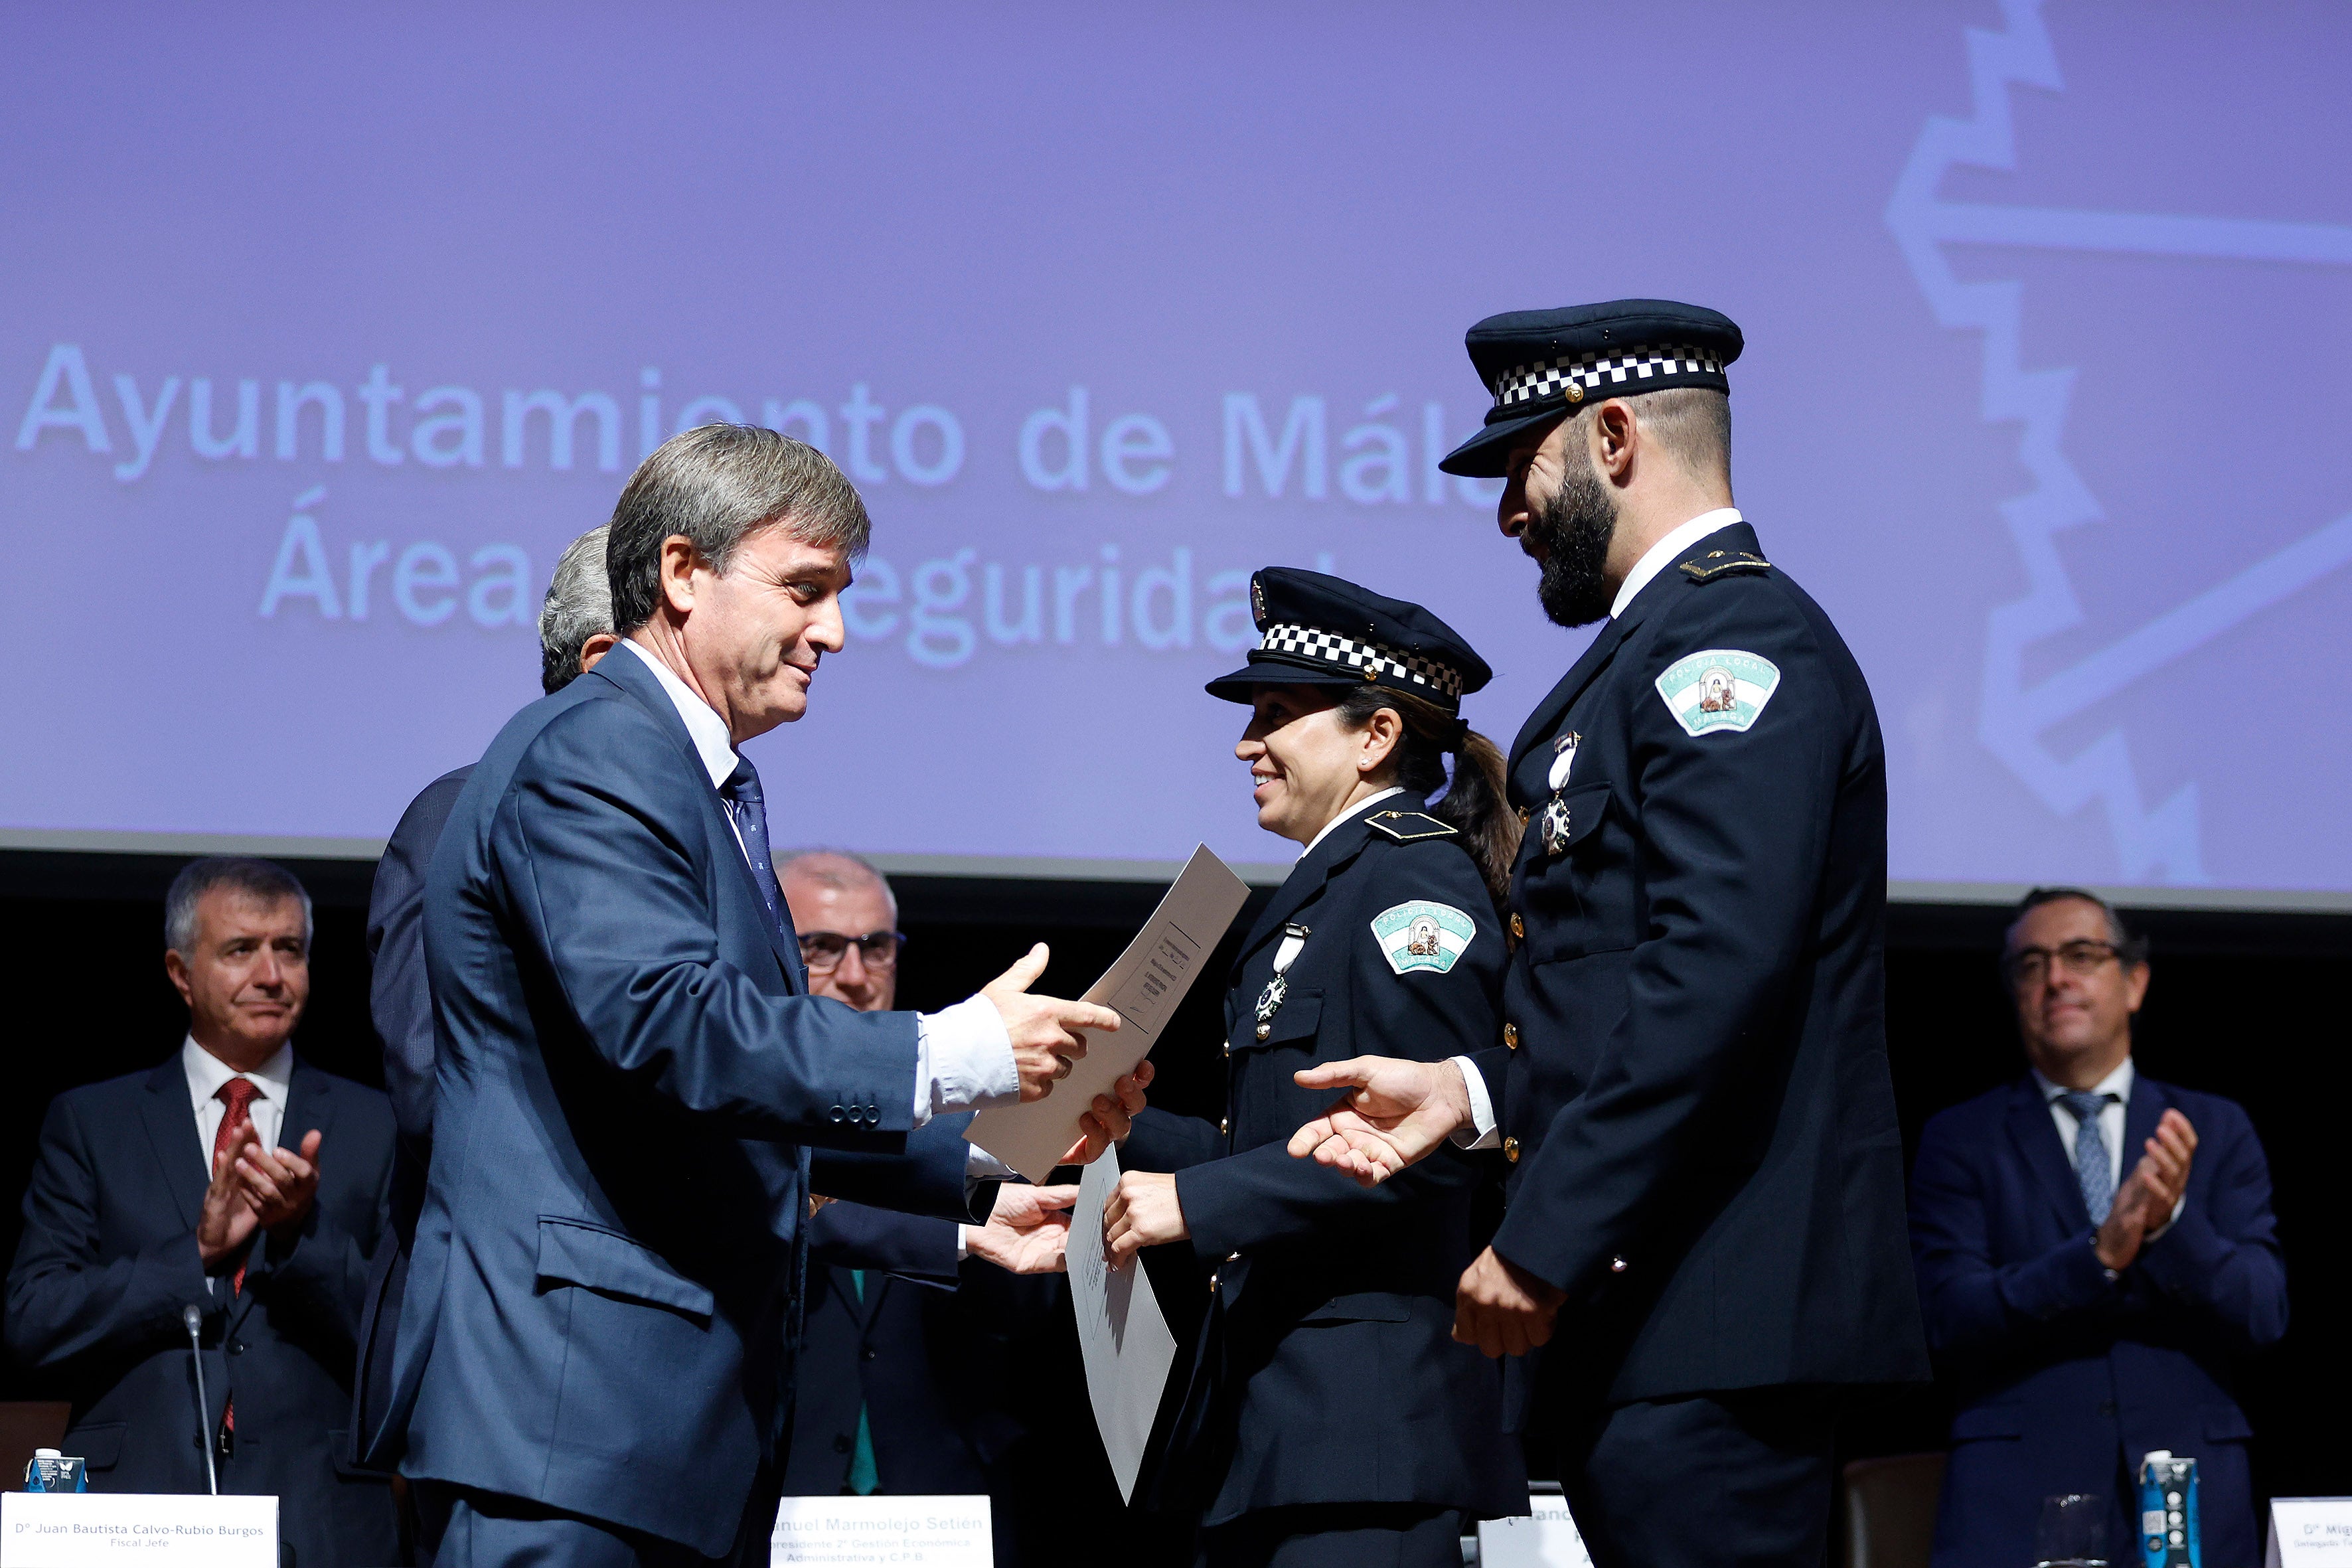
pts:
[929, 1350]
[1328, 1371]
[109, 1259]
[400, 1002]
[631, 1075]
[1699, 1084]
[2063, 1379]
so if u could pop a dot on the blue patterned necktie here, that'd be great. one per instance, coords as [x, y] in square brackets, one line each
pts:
[2092, 1172]
[747, 809]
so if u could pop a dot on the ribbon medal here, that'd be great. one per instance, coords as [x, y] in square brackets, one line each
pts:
[1277, 990]
[1554, 823]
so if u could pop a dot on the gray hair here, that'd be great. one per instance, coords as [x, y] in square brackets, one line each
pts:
[579, 605]
[717, 485]
[838, 869]
[2131, 949]
[264, 882]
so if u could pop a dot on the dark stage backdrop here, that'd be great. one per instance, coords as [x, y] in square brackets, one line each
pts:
[2242, 1005]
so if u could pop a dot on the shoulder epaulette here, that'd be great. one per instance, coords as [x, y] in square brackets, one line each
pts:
[1721, 562]
[1404, 827]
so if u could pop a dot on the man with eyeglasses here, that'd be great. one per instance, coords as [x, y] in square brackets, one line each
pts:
[2095, 1254]
[906, 1372]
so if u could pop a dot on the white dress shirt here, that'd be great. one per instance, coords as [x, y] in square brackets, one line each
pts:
[1482, 1132]
[272, 1081]
[1361, 807]
[964, 1058]
[2117, 1084]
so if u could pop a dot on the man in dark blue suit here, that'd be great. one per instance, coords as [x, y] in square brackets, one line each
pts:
[575, 630]
[919, 1331]
[123, 1233]
[2085, 1316]
[636, 1097]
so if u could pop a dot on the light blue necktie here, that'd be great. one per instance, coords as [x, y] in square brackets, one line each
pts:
[2092, 1172]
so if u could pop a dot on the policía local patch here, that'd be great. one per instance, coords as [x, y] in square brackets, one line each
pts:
[1721, 688]
[1423, 935]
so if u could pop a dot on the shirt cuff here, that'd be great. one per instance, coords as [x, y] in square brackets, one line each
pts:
[979, 1164]
[964, 1238]
[1480, 1133]
[2178, 1205]
[963, 1060]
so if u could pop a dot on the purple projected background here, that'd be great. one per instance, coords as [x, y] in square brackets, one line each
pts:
[2044, 394]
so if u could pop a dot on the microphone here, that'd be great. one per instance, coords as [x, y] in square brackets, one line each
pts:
[195, 1322]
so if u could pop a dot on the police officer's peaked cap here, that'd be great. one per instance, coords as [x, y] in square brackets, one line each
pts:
[1540, 364]
[1315, 630]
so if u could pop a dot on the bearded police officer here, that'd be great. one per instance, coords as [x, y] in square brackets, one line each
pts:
[1705, 1215]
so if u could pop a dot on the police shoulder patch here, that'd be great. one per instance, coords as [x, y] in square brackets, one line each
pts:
[1719, 689]
[1423, 935]
[1404, 827]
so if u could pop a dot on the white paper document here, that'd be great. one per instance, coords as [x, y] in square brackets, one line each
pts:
[1143, 988]
[1121, 1334]
[1545, 1537]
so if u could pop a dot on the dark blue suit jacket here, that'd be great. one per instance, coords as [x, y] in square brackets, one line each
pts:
[2063, 1379]
[938, 1354]
[400, 1002]
[1318, 1280]
[1693, 1079]
[630, 1077]
[109, 1259]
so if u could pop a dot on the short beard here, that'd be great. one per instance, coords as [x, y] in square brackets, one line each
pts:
[1573, 531]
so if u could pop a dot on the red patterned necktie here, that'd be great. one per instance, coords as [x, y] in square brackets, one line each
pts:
[237, 1094]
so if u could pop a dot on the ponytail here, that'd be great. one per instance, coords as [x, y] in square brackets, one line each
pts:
[1475, 803]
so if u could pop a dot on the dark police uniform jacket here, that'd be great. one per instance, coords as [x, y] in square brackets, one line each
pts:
[1327, 1372]
[1694, 1077]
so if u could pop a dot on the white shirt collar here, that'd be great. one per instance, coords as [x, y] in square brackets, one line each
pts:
[1661, 556]
[2117, 1083]
[1362, 805]
[704, 727]
[207, 1073]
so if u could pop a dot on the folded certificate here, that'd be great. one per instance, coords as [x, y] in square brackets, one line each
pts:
[1122, 1333]
[1143, 988]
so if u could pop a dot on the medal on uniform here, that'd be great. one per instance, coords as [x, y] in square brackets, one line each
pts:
[1555, 812]
[1270, 1000]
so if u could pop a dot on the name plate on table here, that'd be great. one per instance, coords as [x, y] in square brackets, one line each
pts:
[2310, 1532]
[85, 1530]
[880, 1532]
[1547, 1540]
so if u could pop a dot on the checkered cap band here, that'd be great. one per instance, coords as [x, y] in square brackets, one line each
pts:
[1311, 642]
[1594, 371]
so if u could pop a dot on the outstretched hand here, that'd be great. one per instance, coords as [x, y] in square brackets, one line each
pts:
[1108, 1121]
[1397, 1112]
[1027, 1231]
[1044, 1030]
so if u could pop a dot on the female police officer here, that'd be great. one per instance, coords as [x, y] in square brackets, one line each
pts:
[1332, 1307]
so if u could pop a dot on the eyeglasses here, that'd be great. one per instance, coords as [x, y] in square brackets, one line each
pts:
[2029, 965]
[822, 951]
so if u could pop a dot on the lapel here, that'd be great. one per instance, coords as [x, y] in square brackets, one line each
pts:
[1548, 713]
[2036, 1137]
[629, 673]
[310, 1103]
[2142, 1112]
[1315, 868]
[172, 1128]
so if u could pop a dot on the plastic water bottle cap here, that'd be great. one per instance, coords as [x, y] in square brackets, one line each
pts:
[48, 1454]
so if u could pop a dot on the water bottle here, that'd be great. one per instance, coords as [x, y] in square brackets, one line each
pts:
[51, 1471]
[2168, 1512]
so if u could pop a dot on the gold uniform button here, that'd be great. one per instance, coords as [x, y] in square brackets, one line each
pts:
[1212, 1284]
[1224, 1126]
[1518, 928]
[1263, 1031]
[1511, 1150]
[1233, 1257]
[1616, 1266]
[1523, 818]
[1511, 1036]
[1229, 1049]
